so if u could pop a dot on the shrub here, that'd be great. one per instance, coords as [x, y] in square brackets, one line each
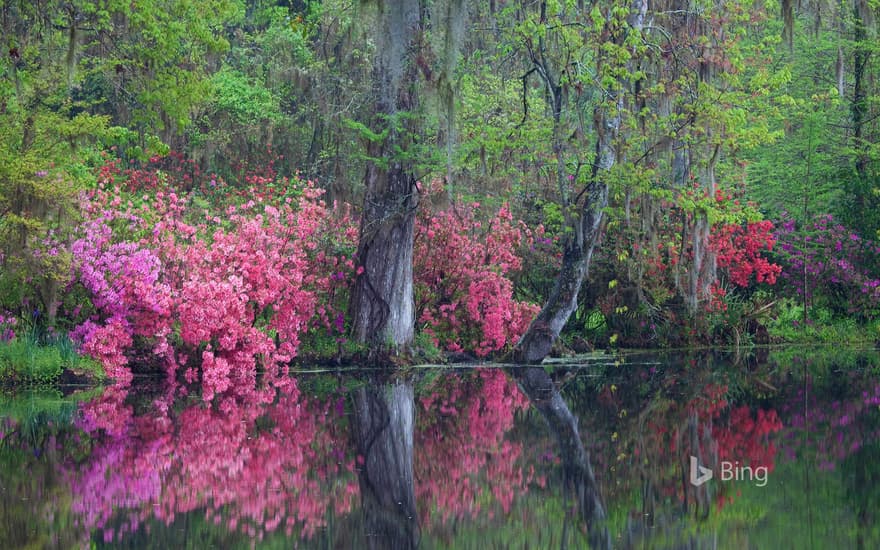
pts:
[222, 301]
[840, 266]
[464, 298]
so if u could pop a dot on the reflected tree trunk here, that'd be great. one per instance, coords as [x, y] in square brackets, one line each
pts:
[384, 420]
[579, 478]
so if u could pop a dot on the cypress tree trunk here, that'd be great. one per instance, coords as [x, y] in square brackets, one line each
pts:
[382, 300]
[859, 107]
[381, 305]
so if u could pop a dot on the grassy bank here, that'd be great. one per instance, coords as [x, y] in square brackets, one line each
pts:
[26, 360]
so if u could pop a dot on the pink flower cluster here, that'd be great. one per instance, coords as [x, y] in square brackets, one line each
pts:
[223, 301]
[464, 299]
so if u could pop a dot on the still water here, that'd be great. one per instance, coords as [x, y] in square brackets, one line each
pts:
[774, 449]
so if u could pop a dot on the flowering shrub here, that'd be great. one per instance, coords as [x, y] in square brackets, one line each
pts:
[7, 327]
[643, 269]
[154, 174]
[464, 298]
[738, 250]
[227, 301]
[223, 300]
[842, 268]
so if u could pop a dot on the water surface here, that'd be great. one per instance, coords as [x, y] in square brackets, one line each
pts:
[592, 452]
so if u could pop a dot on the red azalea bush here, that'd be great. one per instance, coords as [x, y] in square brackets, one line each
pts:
[739, 248]
[642, 271]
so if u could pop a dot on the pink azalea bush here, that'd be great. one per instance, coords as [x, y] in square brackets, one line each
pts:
[464, 297]
[227, 301]
[223, 301]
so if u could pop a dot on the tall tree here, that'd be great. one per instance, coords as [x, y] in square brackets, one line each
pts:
[382, 308]
[620, 28]
[382, 299]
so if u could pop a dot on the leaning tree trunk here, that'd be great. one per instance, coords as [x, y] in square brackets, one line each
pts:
[381, 308]
[535, 344]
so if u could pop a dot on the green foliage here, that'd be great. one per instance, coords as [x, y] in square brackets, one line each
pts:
[828, 159]
[244, 101]
[44, 159]
[131, 145]
[321, 346]
[25, 360]
[426, 349]
[822, 327]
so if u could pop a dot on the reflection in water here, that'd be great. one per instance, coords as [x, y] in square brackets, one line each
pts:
[458, 459]
[162, 471]
[383, 429]
[251, 468]
[467, 466]
[578, 472]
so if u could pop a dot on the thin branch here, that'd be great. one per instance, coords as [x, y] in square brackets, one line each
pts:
[525, 101]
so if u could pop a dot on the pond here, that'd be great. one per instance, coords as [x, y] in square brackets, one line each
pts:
[772, 449]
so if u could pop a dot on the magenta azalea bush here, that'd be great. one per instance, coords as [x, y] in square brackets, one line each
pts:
[842, 268]
[465, 300]
[220, 300]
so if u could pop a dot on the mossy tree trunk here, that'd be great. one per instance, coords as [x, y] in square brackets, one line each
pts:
[382, 307]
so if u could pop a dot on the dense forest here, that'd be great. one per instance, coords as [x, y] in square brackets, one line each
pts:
[218, 189]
